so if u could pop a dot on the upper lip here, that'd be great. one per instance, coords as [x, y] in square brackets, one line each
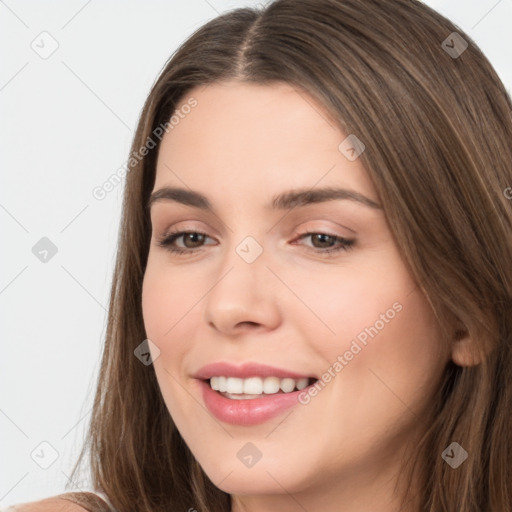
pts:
[250, 369]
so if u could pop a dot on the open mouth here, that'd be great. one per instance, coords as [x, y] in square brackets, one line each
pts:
[252, 400]
[257, 387]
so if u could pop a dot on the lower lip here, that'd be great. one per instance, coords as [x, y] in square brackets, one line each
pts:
[247, 412]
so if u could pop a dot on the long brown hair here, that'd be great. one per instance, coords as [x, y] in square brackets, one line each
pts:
[436, 122]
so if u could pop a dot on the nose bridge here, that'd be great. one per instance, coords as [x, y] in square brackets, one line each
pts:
[244, 288]
[244, 266]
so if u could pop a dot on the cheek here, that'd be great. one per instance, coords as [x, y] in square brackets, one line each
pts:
[157, 306]
[391, 357]
[410, 354]
[161, 311]
[384, 339]
[170, 314]
[166, 297]
[351, 299]
[165, 314]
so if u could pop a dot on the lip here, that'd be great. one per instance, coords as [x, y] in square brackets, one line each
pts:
[252, 411]
[246, 370]
[248, 412]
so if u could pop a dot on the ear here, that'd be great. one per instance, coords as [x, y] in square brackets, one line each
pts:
[465, 350]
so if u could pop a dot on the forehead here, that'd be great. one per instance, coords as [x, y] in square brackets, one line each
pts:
[253, 137]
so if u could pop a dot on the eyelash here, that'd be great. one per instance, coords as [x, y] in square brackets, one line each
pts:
[345, 243]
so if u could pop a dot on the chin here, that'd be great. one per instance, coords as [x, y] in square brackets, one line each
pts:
[260, 479]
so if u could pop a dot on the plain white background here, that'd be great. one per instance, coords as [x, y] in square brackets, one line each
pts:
[67, 122]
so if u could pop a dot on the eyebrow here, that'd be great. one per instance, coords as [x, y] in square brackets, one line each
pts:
[282, 201]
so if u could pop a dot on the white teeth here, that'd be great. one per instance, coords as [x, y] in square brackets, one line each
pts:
[240, 397]
[255, 386]
[214, 383]
[271, 385]
[234, 385]
[302, 383]
[287, 385]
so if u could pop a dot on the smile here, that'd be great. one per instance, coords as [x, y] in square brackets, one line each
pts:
[254, 387]
[251, 408]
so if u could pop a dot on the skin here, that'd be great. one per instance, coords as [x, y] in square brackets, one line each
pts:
[292, 307]
[52, 504]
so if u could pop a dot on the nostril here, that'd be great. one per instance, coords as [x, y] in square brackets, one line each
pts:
[248, 324]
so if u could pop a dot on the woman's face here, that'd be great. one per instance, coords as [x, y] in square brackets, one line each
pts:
[252, 288]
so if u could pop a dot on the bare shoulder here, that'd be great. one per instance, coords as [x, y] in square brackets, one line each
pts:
[67, 502]
[53, 504]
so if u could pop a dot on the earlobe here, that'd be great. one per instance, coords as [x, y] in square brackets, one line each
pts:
[465, 351]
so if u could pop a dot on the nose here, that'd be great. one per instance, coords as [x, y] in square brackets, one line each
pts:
[244, 296]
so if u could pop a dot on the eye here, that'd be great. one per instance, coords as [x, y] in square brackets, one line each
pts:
[195, 238]
[326, 241]
[323, 243]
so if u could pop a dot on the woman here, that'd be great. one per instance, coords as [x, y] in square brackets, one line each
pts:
[312, 302]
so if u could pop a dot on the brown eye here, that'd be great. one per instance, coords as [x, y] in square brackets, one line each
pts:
[195, 240]
[192, 240]
[325, 243]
